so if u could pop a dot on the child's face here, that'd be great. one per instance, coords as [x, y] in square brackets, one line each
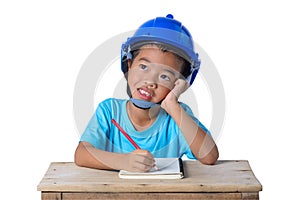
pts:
[152, 74]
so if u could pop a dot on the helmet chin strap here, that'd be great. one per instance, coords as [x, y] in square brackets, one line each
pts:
[143, 104]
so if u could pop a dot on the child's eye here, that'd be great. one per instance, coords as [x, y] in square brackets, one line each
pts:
[165, 77]
[143, 67]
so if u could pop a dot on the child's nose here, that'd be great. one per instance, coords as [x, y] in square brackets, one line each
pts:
[151, 79]
[151, 85]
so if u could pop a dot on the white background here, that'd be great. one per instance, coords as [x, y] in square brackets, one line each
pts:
[255, 46]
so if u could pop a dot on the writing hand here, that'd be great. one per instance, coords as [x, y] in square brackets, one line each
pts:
[139, 161]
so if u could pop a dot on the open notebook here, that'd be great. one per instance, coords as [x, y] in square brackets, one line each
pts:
[169, 168]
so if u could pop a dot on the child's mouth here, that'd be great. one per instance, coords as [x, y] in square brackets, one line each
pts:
[145, 94]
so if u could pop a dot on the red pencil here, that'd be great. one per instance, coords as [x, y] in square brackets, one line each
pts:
[125, 134]
[129, 138]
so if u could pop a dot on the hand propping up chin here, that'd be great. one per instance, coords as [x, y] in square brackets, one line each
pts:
[171, 100]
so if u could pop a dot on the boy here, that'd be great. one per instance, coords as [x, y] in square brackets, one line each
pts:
[159, 63]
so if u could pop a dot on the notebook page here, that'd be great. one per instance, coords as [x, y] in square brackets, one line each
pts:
[165, 166]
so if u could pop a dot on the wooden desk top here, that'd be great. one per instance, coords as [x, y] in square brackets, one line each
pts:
[224, 176]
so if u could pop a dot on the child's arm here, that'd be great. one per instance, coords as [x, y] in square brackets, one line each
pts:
[86, 155]
[201, 144]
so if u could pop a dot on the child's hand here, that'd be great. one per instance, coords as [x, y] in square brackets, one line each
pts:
[172, 98]
[139, 161]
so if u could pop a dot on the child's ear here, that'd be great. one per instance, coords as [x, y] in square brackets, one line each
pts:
[129, 62]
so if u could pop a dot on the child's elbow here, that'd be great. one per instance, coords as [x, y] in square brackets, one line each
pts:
[210, 159]
[78, 156]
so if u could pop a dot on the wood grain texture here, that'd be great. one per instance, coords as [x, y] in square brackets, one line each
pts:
[224, 176]
[152, 196]
[51, 195]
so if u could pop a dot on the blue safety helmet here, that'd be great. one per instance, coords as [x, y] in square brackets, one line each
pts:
[168, 32]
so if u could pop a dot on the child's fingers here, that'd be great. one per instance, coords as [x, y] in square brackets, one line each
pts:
[143, 160]
[141, 151]
[141, 167]
[180, 86]
[144, 156]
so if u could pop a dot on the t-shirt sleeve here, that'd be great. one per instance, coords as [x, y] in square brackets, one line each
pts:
[98, 128]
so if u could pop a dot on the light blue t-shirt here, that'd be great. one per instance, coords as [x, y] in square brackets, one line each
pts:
[163, 138]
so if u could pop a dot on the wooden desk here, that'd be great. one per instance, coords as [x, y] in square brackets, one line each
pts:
[225, 180]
